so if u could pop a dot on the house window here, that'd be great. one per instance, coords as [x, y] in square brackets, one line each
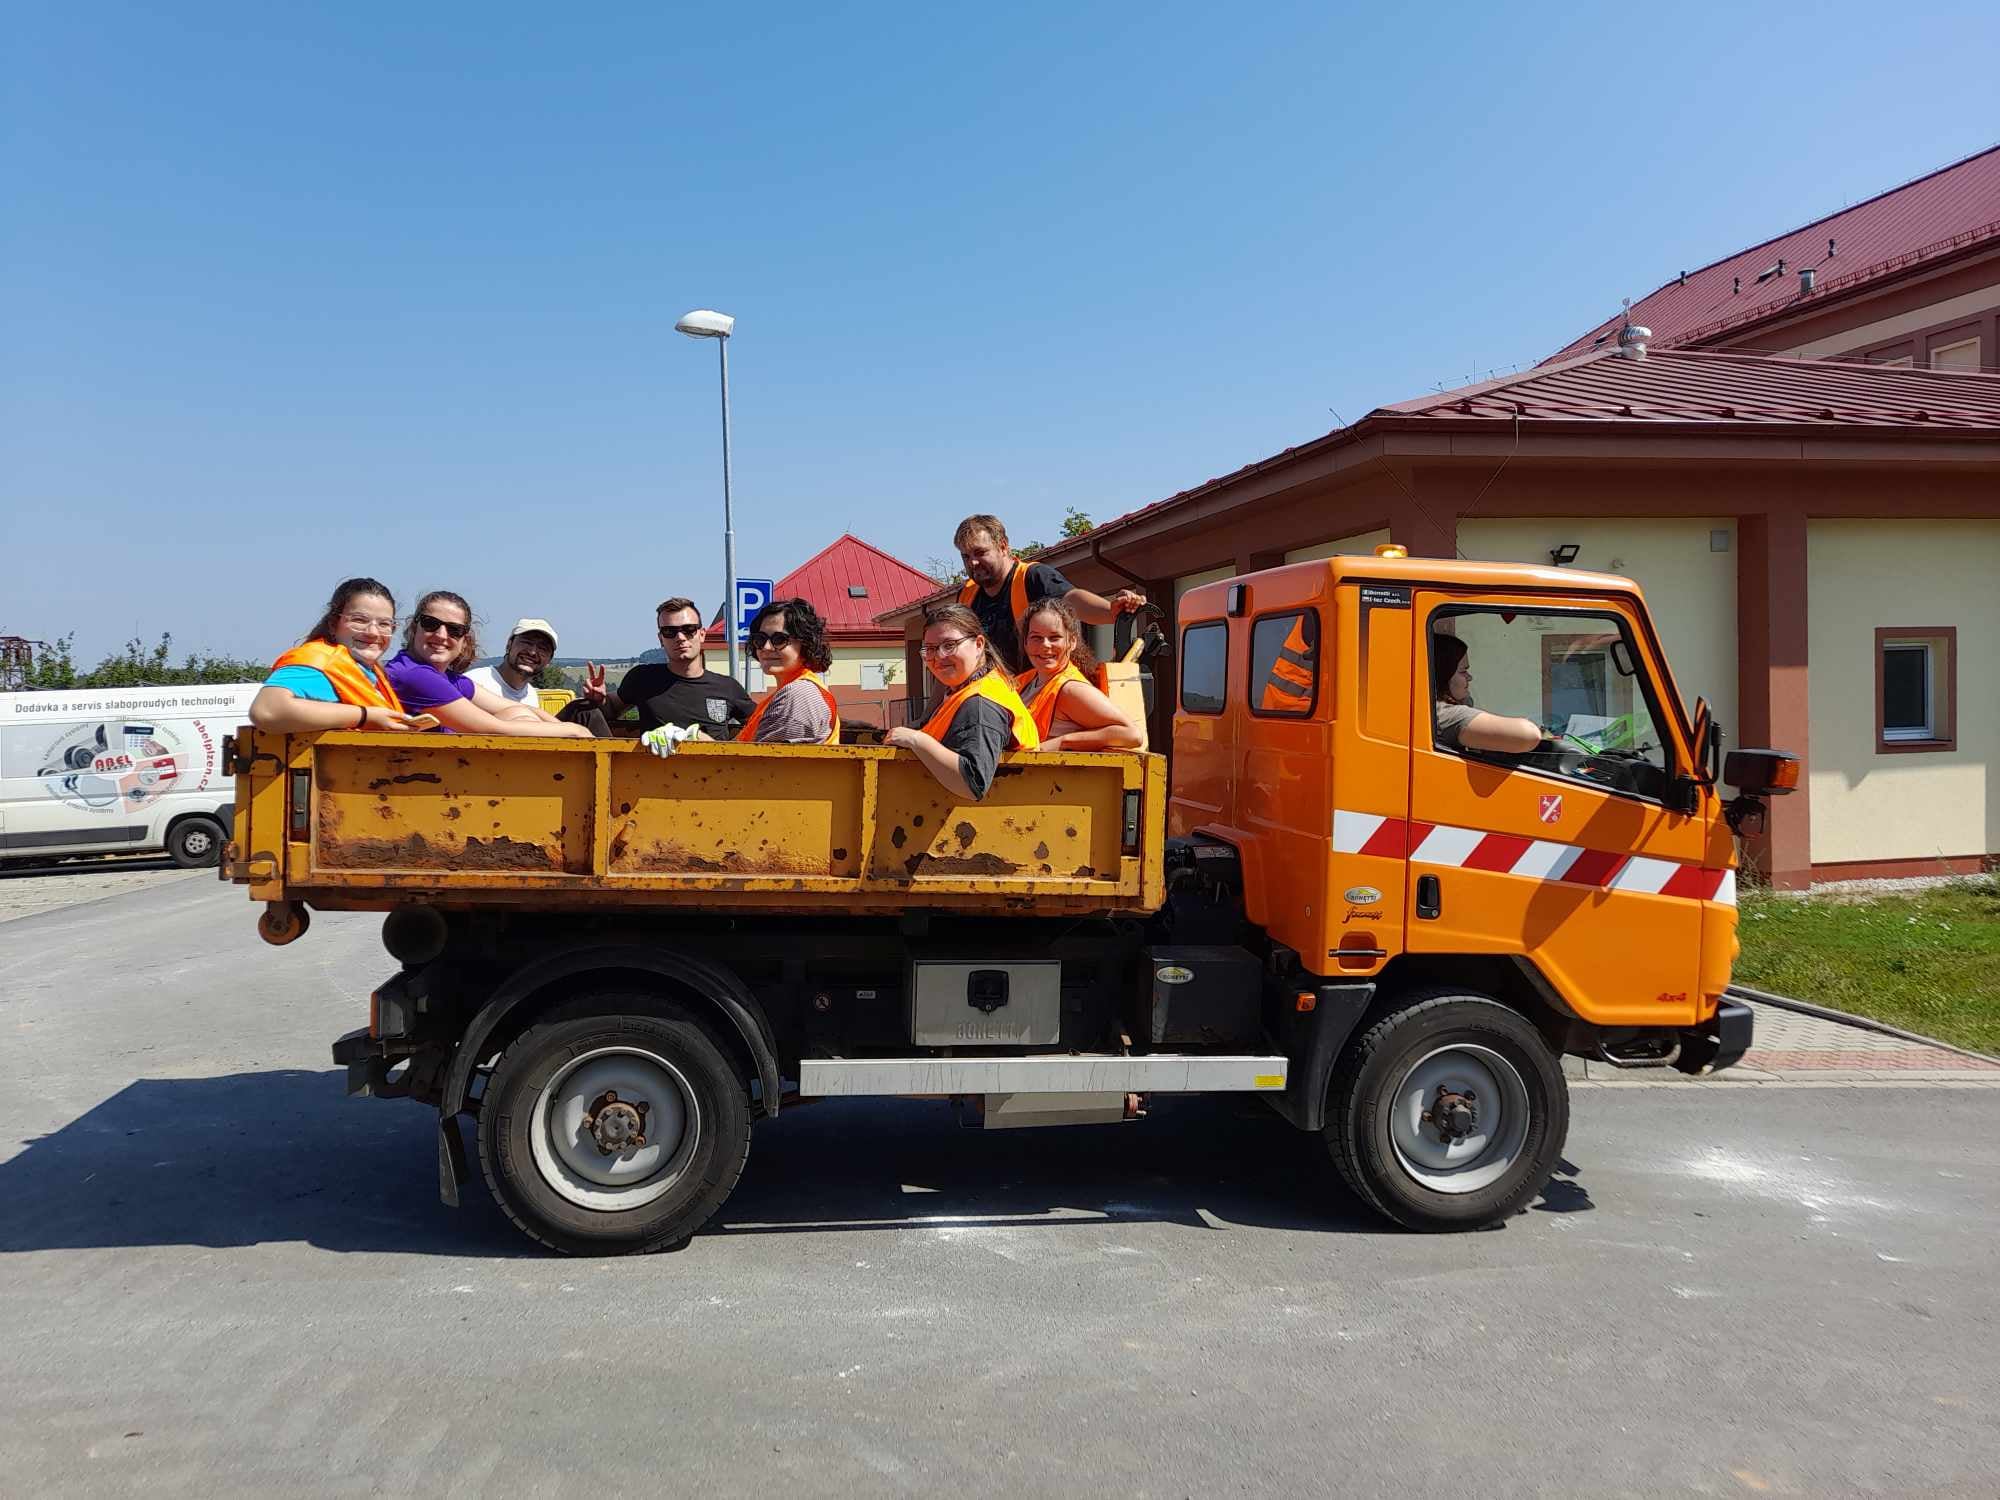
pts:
[874, 677]
[1204, 666]
[1962, 355]
[1916, 670]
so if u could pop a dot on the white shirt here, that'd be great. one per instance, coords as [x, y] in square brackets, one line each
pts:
[490, 679]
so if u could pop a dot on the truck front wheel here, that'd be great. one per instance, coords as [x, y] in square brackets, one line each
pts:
[616, 1126]
[1448, 1114]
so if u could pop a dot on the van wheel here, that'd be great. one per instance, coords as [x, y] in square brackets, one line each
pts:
[1448, 1114]
[617, 1126]
[194, 843]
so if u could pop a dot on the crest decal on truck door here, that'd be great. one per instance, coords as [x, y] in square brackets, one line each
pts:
[1552, 806]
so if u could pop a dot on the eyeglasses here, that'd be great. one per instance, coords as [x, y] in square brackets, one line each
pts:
[363, 622]
[777, 640]
[678, 632]
[942, 648]
[454, 628]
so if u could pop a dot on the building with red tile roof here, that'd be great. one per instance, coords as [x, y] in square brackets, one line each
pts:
[851, 582]
[1910, 276]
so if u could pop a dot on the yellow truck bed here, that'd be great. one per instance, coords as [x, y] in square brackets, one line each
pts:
[370, 821]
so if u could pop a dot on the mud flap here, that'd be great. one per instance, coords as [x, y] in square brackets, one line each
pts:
[451, 1160]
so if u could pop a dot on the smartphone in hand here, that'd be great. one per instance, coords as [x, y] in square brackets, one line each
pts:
[423, 721]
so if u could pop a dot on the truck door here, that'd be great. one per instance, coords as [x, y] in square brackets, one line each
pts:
[1570, 854]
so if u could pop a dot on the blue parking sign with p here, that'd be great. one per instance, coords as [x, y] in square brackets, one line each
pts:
[752, 594]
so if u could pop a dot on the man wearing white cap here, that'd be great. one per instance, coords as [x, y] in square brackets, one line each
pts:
[530, 647]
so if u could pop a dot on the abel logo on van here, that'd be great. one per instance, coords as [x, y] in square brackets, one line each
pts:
[112, 765]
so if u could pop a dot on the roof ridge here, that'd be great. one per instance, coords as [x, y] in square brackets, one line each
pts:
[1773, 239]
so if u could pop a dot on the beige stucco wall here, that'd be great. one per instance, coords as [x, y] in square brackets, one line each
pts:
[1364, 543]
[1868, 574]
[1195, 580]
[1690, 590]
[846, 668]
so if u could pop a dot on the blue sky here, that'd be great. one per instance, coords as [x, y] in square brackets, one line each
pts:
[290, 293]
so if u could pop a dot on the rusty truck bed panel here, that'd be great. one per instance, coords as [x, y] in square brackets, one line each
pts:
[372, 820]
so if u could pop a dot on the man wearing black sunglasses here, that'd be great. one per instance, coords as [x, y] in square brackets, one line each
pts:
[680, 690]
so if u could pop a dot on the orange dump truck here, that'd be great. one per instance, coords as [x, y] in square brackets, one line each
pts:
[615, 964]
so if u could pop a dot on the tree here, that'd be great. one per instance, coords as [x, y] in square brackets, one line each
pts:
[137, 666]
[945, 572]
[1075, 523]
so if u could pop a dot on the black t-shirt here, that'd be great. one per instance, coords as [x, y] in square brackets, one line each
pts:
[996, 611]
[980, 732]
[714, 702]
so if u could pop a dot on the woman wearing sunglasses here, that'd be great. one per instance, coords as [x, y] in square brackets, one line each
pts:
[429, 676]
[1069, 710]
[334, 679]
[981, 717]
[789, 639]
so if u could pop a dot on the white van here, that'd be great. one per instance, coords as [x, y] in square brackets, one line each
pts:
[113, 770]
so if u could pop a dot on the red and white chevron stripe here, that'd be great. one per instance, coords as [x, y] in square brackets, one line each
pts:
[1532, 859]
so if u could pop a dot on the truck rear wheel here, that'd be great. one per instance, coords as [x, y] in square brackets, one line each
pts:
[617, 1126]
[1448, 1114]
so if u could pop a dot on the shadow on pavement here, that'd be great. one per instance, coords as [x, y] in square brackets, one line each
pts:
[285, 1156]
[146, 865]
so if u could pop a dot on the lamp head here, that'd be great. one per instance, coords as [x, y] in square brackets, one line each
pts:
[703, 324]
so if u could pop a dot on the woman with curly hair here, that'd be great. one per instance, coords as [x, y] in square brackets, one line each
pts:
[789, 639]
[429, 676]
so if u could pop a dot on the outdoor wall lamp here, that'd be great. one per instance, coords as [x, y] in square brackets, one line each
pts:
[1564, 552]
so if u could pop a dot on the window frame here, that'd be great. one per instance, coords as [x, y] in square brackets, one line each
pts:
[1499, 760]
[1944, 715]
[1180, 697]
[1312, 702]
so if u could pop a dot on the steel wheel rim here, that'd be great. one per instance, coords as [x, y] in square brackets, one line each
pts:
[1503, 1110]
[197, 841]
[568, 1157]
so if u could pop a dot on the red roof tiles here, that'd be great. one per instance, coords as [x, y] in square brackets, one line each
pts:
[828, 577]
[1950, 212]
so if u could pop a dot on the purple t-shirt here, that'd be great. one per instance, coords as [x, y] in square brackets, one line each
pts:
[422, 687]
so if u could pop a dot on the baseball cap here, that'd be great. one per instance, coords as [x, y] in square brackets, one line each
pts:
[541, 627]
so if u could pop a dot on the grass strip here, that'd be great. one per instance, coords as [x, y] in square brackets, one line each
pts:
[1928, 961]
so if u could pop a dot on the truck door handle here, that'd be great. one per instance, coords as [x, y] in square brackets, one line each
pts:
[1430, 901]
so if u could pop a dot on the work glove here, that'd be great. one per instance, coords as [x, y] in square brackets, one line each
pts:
[668, 738]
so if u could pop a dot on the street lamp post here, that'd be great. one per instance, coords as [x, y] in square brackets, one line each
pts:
[704, 324]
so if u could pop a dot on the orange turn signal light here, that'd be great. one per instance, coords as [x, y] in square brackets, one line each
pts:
[1306, 1000]
[1785, 775]
[1392, 549]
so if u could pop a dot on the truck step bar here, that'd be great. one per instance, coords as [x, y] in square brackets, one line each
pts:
[1085, 1073]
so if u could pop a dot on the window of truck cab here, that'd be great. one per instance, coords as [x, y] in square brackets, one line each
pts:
[1284, 664]
[1204, 667]
[1580, 675]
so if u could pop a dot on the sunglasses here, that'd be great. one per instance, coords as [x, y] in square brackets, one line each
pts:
[777, 640]
[451, 628]
[678, 632]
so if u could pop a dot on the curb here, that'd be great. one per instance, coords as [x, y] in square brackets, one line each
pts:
[1863, 1023]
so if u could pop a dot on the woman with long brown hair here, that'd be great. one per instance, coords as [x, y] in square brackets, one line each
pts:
[333, 679]
[981, 718]
[1069, 709]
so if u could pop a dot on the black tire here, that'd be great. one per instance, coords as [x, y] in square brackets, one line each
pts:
[1380, 1149]
[541, 1072]
[195, 843]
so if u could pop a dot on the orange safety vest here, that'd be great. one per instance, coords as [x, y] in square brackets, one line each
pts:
[1288, 687]
[1041, 703]
[994, 685]
[351, 682]
[1017, 586]
[749, 730]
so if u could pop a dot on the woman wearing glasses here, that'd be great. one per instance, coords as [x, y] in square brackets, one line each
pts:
[1069, 710]
[789, 639]
[428, 674]
[981, 717]
[334, 679]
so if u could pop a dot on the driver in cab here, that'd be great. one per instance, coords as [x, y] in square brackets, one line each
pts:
[1461, 726]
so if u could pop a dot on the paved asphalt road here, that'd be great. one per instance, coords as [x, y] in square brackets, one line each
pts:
[217, 1276]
